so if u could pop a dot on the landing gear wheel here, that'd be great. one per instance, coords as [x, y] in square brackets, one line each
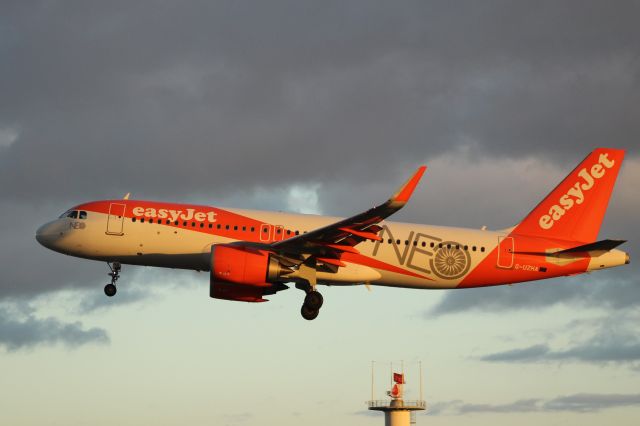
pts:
[313, 300]
[308, 313]
[110, 290]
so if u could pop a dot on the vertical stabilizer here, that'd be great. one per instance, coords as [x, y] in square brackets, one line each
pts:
[575, 208]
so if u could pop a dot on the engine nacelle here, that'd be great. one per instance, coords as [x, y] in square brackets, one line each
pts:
[244, 274]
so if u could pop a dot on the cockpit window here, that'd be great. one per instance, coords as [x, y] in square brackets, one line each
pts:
[74, 214]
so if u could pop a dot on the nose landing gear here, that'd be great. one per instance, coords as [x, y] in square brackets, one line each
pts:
[110, 289]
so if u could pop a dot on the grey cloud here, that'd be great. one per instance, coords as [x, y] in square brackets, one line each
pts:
[28, 268]
[532, 353]
[614, 342]
[96, 300]
[520, 406]
[458, 407]
[20, 332]
[176, 96]
[588, 402]
[576, 403]
[589, 291]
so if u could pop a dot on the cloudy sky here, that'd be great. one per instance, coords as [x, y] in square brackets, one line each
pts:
[317, 107]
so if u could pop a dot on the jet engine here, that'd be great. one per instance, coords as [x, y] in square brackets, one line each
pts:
[245, 274]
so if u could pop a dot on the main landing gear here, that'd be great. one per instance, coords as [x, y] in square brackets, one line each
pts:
[110, 289]
[312, 303]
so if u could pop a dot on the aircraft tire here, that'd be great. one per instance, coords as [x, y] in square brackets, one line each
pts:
[110, 290]
[314, 300]
[308, 313]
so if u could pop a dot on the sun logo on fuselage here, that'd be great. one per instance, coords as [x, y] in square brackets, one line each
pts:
[450, 261]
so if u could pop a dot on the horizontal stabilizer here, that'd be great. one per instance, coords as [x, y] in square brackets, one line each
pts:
[587, 250]
[598, 246]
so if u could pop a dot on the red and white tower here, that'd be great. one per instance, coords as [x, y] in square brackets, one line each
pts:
[397, 411]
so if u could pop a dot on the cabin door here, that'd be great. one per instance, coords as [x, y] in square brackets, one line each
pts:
[505, 252]
[115, 220]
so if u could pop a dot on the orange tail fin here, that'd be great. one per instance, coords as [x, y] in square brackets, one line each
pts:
[575, 208]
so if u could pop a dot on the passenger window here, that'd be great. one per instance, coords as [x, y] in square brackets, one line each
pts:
[133, 219]
[482, 249]
[473, 248]
[193, 224]
[176, 223]
[226, 227]
[184, 223]
[466, 248]
[397, 242]
[83, 214]
[406, 242]
[142, 220]
[440, 245]
[432, 245]
[201, 225]
[210, 225]
[244, 228]
[235, 228]
[219, 226]
[297, 232]
[448, 246]
[150, 220]
[253, 229]
[424, 244]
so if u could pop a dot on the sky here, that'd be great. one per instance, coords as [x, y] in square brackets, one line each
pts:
[315, 107]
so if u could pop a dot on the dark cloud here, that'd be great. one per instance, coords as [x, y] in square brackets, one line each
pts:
[589, 402]
[96, 300]
[163, 99]
[19, 331]
[615, 341]
[587, 291]
[577, 403]
[532, 353]
[459, 407]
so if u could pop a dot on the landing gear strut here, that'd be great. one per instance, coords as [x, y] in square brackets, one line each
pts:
[312, 303]
[110, 289]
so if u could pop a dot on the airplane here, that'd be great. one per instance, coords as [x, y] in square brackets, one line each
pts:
[251, 254]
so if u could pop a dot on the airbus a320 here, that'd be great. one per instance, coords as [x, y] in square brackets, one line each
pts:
[251, 254]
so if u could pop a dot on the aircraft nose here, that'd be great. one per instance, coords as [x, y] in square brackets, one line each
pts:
[46, 235]
[627, 260]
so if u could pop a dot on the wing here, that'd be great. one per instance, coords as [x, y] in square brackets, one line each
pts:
[326, 244]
